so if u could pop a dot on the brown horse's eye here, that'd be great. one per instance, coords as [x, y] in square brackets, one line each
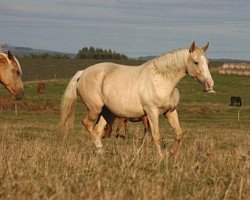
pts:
[195, 62]
[18, 72]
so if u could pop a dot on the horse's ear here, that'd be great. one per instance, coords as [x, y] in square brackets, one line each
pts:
[192, 47]
[205, 47]
[3, 60]
[10, 56]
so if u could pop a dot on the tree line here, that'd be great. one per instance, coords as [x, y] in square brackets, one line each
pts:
[47, 55]
[84, 53]
[99, 53]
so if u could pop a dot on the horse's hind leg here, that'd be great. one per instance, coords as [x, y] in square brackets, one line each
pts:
[88, 122]
[174, 121]
[107, 131]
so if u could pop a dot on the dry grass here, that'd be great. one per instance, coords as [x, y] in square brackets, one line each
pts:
[36, 164]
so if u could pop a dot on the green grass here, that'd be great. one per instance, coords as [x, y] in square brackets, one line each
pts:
[40, 68]
[212, 163]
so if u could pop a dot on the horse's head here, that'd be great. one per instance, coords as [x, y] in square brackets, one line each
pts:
[10, 75]
[198, 66]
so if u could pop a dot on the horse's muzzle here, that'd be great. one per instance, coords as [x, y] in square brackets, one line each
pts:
[19, 94]
[209, 84]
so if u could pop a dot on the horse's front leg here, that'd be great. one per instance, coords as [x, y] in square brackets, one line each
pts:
[147, 132]
[174, 121]
[153, 118]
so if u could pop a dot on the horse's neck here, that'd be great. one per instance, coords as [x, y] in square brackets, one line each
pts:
[171, 66]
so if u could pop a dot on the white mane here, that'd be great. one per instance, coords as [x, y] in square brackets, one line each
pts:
[172, 63]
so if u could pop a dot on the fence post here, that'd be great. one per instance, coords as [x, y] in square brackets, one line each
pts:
[15, 109]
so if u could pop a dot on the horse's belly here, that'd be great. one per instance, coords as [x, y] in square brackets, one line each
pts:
[126, 106]
[125, 110]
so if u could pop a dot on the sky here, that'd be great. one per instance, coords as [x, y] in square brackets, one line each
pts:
[133, 27]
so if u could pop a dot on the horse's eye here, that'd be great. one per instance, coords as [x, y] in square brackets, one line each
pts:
[18, 72]
[195, 62]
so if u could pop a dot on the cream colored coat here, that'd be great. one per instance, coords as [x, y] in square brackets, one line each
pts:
[133, 91]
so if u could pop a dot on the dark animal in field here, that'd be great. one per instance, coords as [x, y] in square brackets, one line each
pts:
[123, 123]
[41, 87]
[236, 101]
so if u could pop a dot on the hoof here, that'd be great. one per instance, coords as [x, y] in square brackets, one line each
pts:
[161, 158]
[99, 150]
[164, 145]
[148, 138]
[171, 154]
[120, 136]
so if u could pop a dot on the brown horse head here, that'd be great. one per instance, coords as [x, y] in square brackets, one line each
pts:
[41, 87]
[10, 74]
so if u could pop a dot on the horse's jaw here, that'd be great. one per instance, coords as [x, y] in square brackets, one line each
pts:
[18, 94]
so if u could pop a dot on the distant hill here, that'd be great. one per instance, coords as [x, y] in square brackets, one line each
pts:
[26, 51]
[146, 57]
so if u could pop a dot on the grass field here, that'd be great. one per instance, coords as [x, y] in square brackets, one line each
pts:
[212, 163]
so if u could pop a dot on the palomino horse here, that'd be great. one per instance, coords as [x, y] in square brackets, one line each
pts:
[148, 89]
[123, 123]
[10, 74]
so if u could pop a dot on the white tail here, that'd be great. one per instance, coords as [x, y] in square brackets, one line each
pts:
[68, 105]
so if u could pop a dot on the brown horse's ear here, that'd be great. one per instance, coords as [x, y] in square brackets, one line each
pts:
[10, 56]
[205, 47]
[192, 47]
[3, 60]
